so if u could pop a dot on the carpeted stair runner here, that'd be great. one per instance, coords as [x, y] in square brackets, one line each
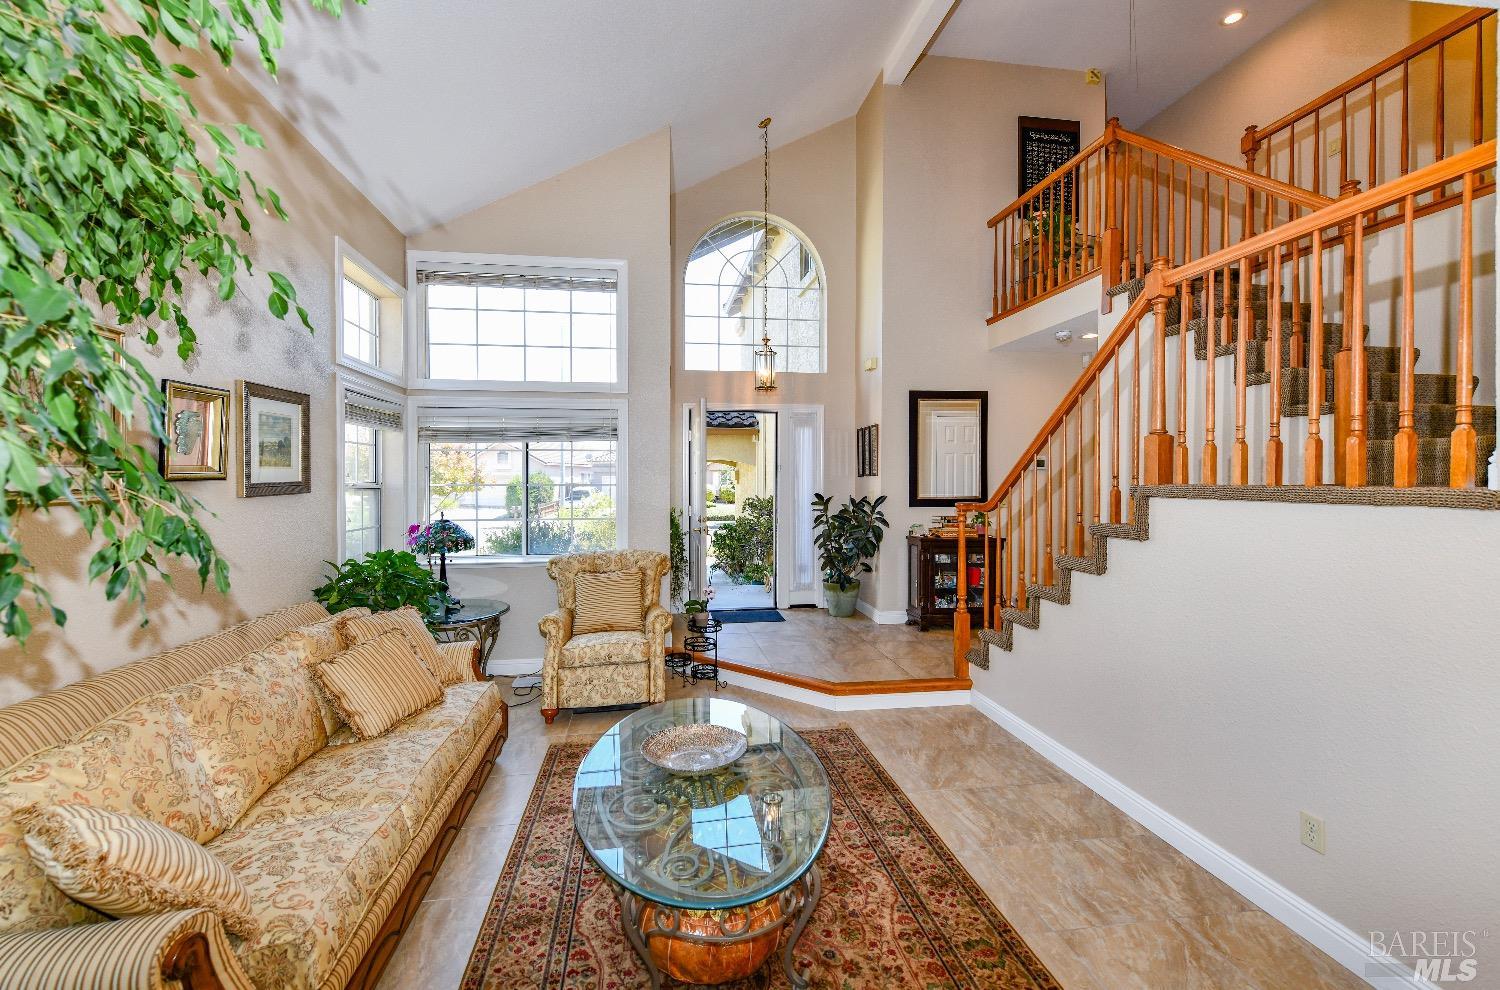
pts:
[1434, 398]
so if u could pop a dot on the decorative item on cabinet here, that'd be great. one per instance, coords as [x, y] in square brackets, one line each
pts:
[932, 577]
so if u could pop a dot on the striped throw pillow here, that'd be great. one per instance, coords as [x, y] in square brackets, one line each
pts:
[123, 865]
[408, 621]
[607, 602]
[378, 683]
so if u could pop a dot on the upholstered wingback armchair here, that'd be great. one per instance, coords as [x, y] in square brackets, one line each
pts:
[619, 667]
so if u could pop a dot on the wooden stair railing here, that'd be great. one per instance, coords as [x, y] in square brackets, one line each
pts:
[1119, 203]
[1262, 301]
[1389, 119]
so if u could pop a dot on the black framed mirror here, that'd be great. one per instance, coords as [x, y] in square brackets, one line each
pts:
[948, 447]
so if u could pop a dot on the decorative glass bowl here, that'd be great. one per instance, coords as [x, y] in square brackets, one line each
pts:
[694, 749]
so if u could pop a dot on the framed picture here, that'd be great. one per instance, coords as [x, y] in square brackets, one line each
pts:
[275, 440]
[67, 462]
[1045, 144]
[197, 430]
[867, 443]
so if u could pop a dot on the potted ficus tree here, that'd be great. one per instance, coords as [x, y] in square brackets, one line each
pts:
[847, 540]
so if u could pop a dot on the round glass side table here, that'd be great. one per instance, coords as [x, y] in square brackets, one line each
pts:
[712, 871]
[476, 620]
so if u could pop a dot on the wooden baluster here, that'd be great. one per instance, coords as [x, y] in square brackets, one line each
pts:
[1135, 422]
[1292, 154]
[1224, 218]
[1075, 250]
[1172, 213]
[1078, 497]
[995, 294]
[1098, 444]
[1405, 117]
[1184, 346]
[1036, 525]
[984, 574]
[1344, 140]
[1210, 467]
[1010, 547]
[1274, 454]
[1406, 431]
[961, 591]
[1440, 142]
[1356, 448]
[1477, 130]
[1295, 358]
[1158, 443]
[1374, 113]
[1463, 462]
[1155, 206]
[1051, 493]
[1140, 213]
[1312, 453]
[1114, 446]
[1110, 249]
[1317, 152]
[1239, 457]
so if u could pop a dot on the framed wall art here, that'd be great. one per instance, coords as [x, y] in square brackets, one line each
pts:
[275, 440]
[948, 447]
[197, 430]
[867, 443]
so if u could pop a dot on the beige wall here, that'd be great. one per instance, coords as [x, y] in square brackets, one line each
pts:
[1321, 47]
[275, 546]
[615, 206]
[1324, 684]
[812, 188]
[869, 242]
[949, 163]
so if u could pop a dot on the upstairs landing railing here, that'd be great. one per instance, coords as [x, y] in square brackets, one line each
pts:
[1092, 452]
[1118, 204]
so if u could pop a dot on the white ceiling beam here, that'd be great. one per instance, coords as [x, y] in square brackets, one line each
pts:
[925, 23]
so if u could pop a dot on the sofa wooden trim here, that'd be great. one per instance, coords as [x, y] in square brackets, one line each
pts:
[189, 962]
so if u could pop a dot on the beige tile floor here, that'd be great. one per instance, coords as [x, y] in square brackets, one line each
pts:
[1106, 905]
[814, 644]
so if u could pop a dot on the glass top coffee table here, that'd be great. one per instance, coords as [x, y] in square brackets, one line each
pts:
[709, 868]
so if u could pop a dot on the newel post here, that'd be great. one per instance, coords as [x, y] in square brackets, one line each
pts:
[961, 607]
[1113, 244]
[1250, 147]
[1158, 442]
[1344, 379]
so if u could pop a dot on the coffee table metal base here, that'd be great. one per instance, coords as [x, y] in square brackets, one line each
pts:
[643, 920]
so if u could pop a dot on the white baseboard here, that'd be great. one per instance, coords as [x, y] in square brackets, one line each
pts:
[849, 702]
[884, 617]
[1301, 916]
[514, 668]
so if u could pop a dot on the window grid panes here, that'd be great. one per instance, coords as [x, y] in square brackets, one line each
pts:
[533, 499]
[361, 490]
[521, 334]
[361, 323]
[736, 268]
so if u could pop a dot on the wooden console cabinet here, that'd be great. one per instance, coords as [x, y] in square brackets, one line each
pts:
[932, 578]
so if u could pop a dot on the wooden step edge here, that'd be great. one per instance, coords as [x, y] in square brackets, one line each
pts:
[912, 685]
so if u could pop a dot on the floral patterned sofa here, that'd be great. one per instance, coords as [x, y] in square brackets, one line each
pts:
[229, 740]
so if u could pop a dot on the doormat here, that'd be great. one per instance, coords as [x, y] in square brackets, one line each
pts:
[750, 615]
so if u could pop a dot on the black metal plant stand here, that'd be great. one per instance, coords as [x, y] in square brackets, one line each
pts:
[698, 660]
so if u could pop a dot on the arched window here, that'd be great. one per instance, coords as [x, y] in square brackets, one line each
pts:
[734, 268]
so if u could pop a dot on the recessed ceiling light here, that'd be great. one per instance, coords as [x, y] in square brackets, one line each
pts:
[1091, 336]
[1233, 17]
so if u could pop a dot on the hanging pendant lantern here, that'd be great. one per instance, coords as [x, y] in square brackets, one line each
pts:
[765, 355]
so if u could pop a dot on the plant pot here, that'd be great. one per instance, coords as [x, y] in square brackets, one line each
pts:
[841, 603]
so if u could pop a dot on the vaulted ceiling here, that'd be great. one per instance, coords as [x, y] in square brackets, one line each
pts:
[434, 107]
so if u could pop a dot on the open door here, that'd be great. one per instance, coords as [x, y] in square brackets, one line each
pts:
[695, 509]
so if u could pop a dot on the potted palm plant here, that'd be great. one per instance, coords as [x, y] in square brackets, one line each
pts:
[847, 539]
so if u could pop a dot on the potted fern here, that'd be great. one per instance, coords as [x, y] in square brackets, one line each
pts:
[847, 539]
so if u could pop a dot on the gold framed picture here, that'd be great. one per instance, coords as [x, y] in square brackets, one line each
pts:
[196, 429]
[275, 440]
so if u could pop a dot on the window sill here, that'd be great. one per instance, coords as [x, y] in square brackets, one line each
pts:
[370, 370]
[474, 562]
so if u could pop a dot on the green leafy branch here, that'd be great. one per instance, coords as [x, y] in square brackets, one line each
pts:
[112, 188]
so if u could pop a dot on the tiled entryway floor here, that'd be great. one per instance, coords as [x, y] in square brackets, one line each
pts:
[814, 644]
[1106, 905]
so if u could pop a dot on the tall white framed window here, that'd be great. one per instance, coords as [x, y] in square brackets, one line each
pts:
[500, 322]
[370, 314]
[750, 277]
[525, 483]
[362, 489]
[361, 336]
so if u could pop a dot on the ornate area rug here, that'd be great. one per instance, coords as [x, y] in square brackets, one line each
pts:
[898, 911]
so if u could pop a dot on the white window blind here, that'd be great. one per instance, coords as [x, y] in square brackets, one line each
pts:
[519, 426]
[364, 409]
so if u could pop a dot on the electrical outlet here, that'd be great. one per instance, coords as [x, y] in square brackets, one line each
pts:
[1335, 145]
[1312, 833]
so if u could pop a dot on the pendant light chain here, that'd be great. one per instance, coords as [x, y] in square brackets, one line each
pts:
[765, 357]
